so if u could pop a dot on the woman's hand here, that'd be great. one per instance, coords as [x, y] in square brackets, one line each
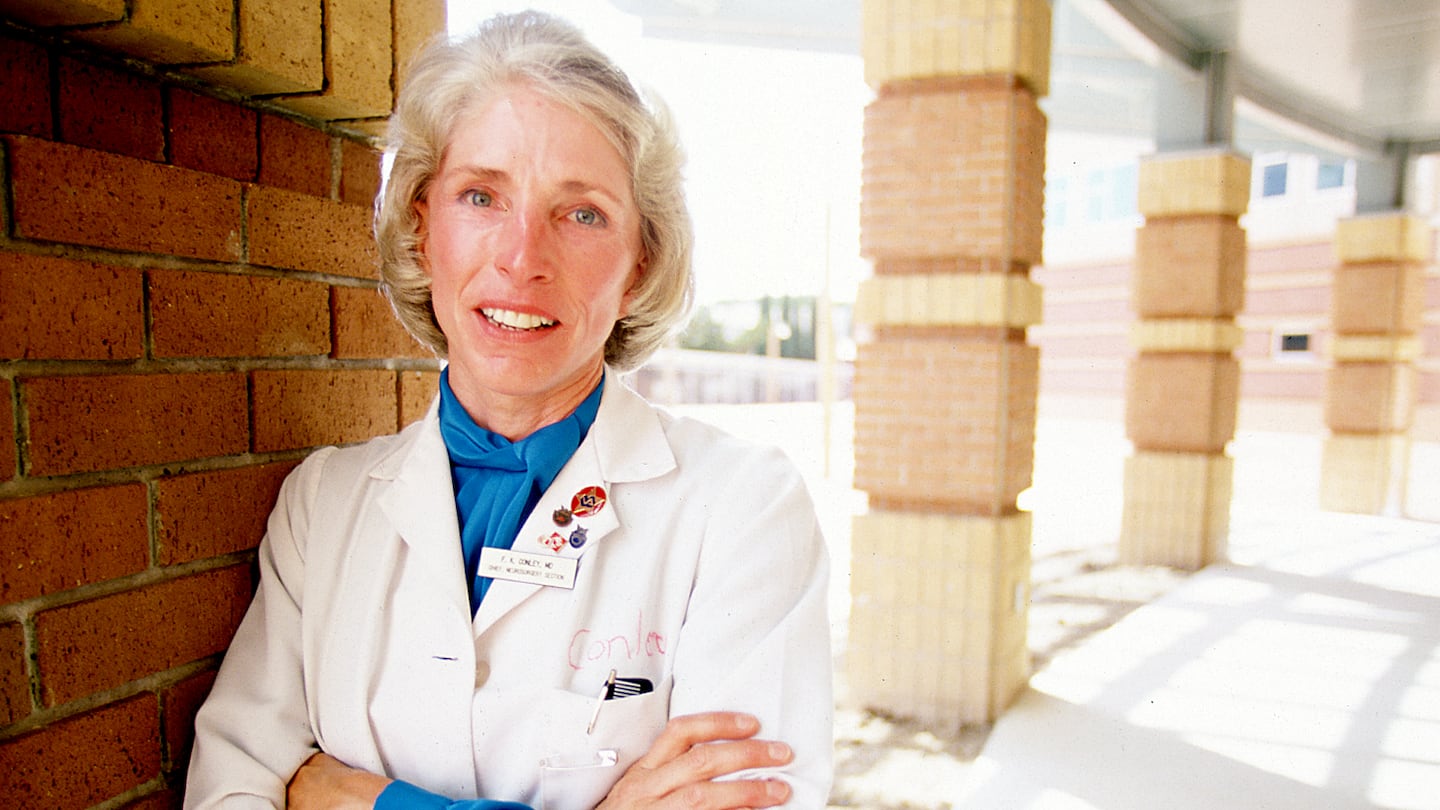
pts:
[326, 783]
[693, 750]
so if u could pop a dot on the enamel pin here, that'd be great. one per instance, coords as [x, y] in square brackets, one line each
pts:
[588, 501]
[577, 537]
[562, 516]
[554, 542]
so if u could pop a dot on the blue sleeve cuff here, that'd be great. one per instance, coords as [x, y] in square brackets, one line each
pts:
[400, 795]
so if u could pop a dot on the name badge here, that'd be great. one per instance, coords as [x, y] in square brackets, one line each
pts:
[532, 569]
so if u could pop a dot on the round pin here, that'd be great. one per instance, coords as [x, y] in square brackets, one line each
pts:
[562, 516]
[588, 501]
[577, 537]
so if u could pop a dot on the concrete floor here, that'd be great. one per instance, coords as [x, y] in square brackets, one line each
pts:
[1304, 673]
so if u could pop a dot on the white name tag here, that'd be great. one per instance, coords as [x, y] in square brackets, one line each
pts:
[533, 569]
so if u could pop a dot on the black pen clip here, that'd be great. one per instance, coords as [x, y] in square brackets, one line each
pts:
[627, 687]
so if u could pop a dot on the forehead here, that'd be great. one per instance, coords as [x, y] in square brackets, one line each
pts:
[520, 116]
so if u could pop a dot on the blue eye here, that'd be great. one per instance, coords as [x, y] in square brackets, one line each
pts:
[480, 199]
[589, 216]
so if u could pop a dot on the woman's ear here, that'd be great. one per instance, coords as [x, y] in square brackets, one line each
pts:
[636, 276]
[422, 232]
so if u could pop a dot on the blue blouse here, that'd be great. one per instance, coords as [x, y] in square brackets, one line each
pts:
[497, 481]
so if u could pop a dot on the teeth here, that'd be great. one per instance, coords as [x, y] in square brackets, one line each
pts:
[516, 320]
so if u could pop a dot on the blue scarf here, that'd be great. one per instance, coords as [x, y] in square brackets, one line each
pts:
[497, 481]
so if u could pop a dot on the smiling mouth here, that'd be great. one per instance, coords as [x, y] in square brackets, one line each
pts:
[517, 321]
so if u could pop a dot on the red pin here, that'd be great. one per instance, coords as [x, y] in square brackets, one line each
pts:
[588, 501]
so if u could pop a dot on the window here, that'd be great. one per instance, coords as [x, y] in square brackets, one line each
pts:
[1330, 175]
[1057, 189]
[1294, 343]
[1273, 180]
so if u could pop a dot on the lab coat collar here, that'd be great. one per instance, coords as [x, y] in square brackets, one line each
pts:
[626, 444]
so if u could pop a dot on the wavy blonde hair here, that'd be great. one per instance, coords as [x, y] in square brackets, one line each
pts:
[448, 79]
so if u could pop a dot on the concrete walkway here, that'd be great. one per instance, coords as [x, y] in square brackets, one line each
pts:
[1304, 673]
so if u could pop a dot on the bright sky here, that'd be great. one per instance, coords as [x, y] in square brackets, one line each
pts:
[773, 138]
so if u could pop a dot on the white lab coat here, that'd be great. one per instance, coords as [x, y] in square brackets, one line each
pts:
[705, 573]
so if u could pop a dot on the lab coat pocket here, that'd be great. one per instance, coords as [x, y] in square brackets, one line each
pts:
[582, 766]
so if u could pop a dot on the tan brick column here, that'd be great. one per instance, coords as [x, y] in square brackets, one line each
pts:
[1183, 386]
[1378, 304]
[945, 392]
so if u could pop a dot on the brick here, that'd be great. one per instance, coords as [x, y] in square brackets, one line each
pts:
[1381, 298]
[61, 309]
[14, 679]
[223, 315]
[359, 173]
[213, 136]
[1189, 267]
[106, 109]
[47, 13]
[1364, 473]
[295, 409]
[946, 423]
[1182, 402]
[25, 90]
[1177, 509]
[1384, 237]
[86, 424]
[84, 760]
[366, 327]
[294, 156]
[208, 514]
[281, 50]
[8, 455]
[64, 193]
[358, 56]
[86, 647]
[1370, 397]
[1185, 184]
[1000, 37]
[948, 299]
[909, 567]
[61, 541]
[416, 23]
[956, 171]
[417, 391]
[169, 32]
[179, 705]
[300, 232]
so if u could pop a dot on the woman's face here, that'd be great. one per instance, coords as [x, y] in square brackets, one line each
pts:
[531, 237]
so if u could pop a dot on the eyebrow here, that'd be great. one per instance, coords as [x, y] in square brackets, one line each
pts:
[569, 186]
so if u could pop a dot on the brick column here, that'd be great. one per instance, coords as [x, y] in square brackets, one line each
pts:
[1183, 386]
[945, 392]
[1378, 305]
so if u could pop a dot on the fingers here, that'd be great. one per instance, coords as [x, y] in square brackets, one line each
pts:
[683, 733]
[680, 768]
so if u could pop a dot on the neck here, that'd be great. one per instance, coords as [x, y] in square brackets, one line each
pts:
[516, 416]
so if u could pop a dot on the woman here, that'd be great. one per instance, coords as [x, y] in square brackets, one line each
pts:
[546, 591]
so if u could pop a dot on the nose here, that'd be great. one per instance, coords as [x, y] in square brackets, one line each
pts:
[523, 249]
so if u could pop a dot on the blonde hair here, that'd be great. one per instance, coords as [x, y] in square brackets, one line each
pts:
[449, 79]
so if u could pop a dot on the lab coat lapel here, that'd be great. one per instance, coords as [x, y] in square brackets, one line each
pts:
[420, 505]
[625, 444]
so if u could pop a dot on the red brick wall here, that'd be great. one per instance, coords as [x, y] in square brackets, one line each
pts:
[189, 306]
